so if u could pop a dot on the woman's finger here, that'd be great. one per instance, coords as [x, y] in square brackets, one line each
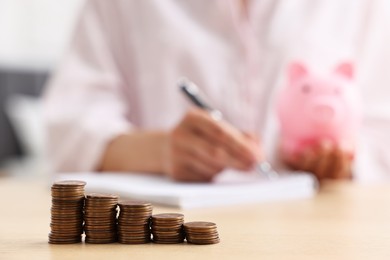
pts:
[337, 159]
[206, 152]
[229, 138]
[346, 163]
[188, 171]
[323, 166]
[308, 160]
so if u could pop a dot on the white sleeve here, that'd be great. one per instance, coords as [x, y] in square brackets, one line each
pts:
[84, 104]
[373, 154]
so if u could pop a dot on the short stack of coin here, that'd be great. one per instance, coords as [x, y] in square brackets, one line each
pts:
[201, 233]
[167, 228]
[134, 222]
[100, 218]
[67, 212]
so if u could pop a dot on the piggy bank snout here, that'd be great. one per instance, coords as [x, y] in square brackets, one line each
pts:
[323, 112]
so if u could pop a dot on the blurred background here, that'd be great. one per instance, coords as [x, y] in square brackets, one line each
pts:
[33, 37]
[35, 33]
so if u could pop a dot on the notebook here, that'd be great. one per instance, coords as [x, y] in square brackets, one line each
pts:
[229, 188]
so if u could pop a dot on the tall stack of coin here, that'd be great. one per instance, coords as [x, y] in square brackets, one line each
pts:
[201, 233]
[133, 222]
[67, 212]
[168, 228]
[100, 218]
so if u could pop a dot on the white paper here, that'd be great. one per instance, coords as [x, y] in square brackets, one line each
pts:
[230, 188]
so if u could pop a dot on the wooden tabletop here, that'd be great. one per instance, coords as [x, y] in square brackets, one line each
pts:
[345, 221]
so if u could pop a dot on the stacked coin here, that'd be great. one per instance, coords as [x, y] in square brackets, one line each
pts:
[201, 233]
[100, 218]
[67, 212]
[133, 222]
[168, 228]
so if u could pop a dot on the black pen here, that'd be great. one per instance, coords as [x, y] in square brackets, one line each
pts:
[192, 92]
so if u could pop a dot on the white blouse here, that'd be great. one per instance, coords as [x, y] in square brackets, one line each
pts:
[121, 69]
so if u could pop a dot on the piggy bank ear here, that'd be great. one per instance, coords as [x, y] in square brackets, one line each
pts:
[296, 72]
[345, 70]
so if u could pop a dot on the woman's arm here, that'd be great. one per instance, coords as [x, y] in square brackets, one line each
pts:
[196, 149]
[137, 151]
[84, 105]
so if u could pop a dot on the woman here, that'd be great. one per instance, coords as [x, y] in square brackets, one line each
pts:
[113, 104]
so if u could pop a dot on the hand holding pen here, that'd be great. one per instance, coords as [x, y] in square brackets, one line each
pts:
[191, 91]
[201, 146]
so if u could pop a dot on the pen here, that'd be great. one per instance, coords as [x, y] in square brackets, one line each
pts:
[192, 92]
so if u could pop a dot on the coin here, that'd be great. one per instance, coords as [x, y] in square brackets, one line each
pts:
[102, 196]
[167, 217]
[125, 240]
[91, 240]
[70, 183]
[204, 241]
[133, 222]
[167, 228]
[67, 212]
[201, 232]
[128, 204]
[100, 218]
[54, 239]
[168, 241]
[200, 225]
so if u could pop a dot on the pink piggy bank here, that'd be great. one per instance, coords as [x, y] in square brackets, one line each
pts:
[312, 108]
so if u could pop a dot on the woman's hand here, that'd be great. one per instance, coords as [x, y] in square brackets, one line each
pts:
[195, 150]
[199, 147]
[325, 160]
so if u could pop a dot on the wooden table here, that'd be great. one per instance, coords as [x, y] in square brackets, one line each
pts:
[345, 221]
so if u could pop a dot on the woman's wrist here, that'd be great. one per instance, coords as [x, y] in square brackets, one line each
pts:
[137, 151]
